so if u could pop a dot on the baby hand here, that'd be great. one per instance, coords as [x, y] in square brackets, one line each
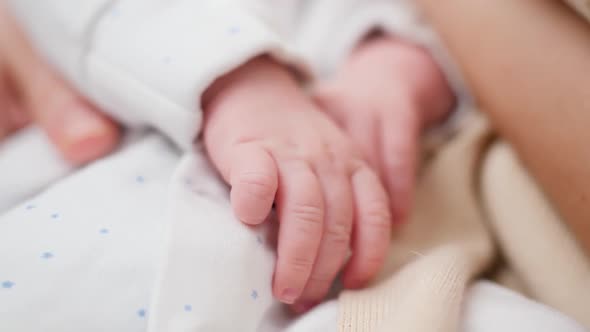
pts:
[272, 144]
[383, 96]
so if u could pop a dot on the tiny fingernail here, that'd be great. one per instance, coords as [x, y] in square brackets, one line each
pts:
[289, 295]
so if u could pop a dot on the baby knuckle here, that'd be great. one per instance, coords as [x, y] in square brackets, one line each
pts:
[300, 264]
[313, 151]
[331, 152]
[321, 280]
[378, 216]
[341, 168]
[315, 156]
[257, 184]
[308, 214]
[296, 163]
[338, 151]
[339, 163]
[335, 160]
[338, 235]
[357, 165]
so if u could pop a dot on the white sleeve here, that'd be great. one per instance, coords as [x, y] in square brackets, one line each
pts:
[147, 62]
[331, 29]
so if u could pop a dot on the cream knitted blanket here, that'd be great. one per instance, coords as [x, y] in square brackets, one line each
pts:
[477, 212]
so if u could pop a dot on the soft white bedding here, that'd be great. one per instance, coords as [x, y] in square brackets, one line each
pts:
[145, 240]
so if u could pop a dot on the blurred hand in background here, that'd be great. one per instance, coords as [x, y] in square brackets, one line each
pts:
[30, 91]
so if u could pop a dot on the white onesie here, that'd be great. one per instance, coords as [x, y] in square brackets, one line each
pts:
[145, 240]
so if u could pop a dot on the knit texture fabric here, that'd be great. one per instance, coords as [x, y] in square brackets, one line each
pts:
[477, 214]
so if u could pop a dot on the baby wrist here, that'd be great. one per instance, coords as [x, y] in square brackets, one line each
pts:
[259, 76]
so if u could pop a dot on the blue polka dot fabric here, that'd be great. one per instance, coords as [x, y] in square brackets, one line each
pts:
[88, 247]
[149, 239]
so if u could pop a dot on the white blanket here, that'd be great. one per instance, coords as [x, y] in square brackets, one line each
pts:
[145, 240]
